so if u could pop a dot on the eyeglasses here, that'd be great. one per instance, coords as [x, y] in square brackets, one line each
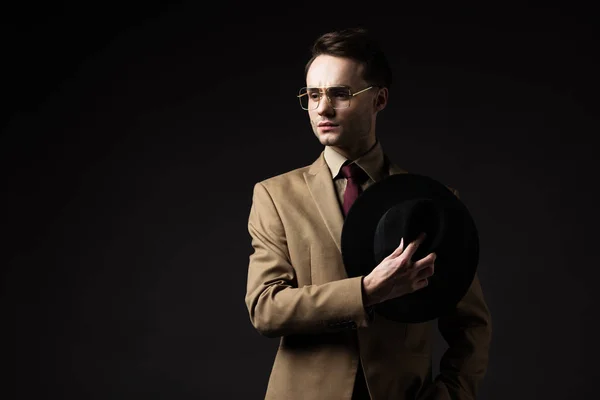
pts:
[338, 96]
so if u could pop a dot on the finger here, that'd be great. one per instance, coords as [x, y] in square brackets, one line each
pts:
[398, 250]
[423, 268]
[427, 260]
[424, 272]
[413, 246]
[420, 284]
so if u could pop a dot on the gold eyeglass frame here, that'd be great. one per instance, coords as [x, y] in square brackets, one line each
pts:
[325, 90]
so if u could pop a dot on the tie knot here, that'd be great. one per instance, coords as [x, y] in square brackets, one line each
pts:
[354, 172]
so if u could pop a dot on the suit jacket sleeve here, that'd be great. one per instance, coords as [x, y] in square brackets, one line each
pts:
[468, 334]
[277, 306]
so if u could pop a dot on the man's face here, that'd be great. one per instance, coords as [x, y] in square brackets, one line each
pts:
[353, 125]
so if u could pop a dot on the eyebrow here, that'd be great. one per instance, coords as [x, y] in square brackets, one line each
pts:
[330, 86]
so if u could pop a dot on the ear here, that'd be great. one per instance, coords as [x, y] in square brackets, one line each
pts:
[381, 99]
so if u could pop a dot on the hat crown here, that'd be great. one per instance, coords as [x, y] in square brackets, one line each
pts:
[406, 220]
[401, 206]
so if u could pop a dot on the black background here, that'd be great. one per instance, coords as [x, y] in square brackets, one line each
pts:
[132, 137]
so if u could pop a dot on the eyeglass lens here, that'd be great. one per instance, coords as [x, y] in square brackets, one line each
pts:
[339, 97]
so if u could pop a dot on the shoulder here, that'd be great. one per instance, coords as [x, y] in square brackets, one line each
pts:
[395, 169]
[284, 184]
[453, 190]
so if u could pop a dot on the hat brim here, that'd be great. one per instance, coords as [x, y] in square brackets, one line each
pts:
[457, 255]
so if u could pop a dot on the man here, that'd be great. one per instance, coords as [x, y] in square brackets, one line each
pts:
[331, 344]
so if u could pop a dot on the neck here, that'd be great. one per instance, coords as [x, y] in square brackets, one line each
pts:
[358, 149]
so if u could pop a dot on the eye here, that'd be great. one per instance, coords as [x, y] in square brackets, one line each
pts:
[339, 93]
[314, 94]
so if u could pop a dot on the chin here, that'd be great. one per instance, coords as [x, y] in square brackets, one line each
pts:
[329, 139]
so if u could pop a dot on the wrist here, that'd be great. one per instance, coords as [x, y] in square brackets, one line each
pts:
[367, 292]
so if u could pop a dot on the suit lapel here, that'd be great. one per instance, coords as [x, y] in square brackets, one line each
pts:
[393, 168]
[322, 189]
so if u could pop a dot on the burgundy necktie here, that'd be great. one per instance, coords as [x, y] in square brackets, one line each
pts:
[355, 176]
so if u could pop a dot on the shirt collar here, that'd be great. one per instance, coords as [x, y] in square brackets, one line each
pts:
[372, 162]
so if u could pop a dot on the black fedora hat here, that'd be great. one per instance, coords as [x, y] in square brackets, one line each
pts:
[401, 206]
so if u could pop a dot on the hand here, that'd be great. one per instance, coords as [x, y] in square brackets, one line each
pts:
[397, 275]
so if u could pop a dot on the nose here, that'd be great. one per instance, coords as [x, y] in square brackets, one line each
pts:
[325, 107]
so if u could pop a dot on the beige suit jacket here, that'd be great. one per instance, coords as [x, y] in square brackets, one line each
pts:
[298, 291]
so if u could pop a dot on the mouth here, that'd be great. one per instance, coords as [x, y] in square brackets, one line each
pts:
[327, 126]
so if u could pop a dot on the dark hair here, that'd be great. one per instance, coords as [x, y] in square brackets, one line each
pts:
[359, 45]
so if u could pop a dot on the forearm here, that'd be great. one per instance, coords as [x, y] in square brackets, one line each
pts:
[280, 310]
[277, 303]
[462, 373]
[468, 334]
